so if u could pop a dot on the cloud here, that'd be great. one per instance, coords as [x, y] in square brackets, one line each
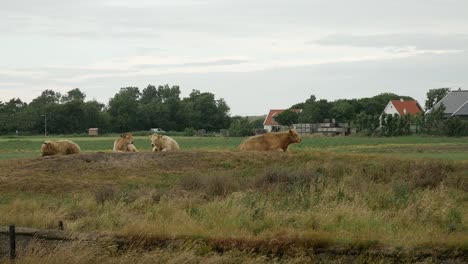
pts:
[216, 62]
[420, 41]
[260, 47]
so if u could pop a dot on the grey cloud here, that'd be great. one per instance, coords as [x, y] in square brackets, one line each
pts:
[242, 17]
[424, 41]
[193, 64]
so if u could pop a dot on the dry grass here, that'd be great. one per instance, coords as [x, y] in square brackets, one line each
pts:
[40, 253]
[349, 200]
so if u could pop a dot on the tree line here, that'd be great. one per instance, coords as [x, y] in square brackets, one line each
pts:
[129, 110]
[342, 110]
[132, 109]
[366, 116]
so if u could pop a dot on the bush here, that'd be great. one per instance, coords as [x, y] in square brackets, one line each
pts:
[240, 127]
[212, 185]
[456, 127]
[189, 132]
[284, 177]
[104, 194]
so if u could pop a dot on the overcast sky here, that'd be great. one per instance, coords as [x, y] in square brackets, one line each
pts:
[256, 54]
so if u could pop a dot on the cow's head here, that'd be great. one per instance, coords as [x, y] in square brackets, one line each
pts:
[156, 142]
[128, 138]
[294, 136]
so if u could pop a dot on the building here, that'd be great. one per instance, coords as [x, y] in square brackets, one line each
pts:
[326, 128]
[93, 131]
[270, 124]
[402, 107]
[455, 103]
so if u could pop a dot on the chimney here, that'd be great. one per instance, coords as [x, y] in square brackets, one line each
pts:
[404, 111]
[401, 99]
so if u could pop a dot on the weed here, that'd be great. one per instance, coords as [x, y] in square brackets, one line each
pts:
[104, 194]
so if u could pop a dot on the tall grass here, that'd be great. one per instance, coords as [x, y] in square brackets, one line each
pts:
[342, 199]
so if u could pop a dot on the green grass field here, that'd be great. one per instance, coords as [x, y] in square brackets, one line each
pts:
[408, 146]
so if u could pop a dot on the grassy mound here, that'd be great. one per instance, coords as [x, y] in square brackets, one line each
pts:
[348, 200]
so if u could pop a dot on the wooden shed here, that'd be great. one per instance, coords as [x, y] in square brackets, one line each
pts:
[93, 131]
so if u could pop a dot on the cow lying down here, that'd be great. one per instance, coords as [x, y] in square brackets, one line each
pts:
[273, 141]
[124, 144]
[60, 147]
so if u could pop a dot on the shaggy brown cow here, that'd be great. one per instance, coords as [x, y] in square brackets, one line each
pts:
[163, 143]
[273, 141]
[60, 147]
[124, 143]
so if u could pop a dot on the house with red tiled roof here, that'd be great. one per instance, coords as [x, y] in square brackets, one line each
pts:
[402, 107]
[270, 123]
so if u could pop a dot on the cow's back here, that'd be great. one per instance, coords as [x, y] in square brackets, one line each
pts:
[265, 142]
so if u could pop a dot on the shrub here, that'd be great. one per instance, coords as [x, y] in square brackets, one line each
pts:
[240, 127]
[104, 194]
[456, 127]
[212, 185]
[189, 132]
[428, 174]
[284, 178]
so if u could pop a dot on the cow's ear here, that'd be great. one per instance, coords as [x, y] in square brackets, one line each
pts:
[291, 132]
[122, 136]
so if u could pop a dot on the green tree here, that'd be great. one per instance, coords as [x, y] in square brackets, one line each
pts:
[74, 95]
[287, 118]
[123, 109]
[240, 127]
[9, 115]
[367, 124]
[434, 96]
[434, 121]
[342, 111]
[314, 111]
[206, 112]
[456, 127]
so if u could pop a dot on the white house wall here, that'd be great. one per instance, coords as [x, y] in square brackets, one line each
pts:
[267, 128]
[390, 109]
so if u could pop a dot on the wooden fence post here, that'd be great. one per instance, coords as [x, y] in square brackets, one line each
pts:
[12, 242]
[60, 223]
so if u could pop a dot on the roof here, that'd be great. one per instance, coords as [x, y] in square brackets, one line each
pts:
[407, 107]
[274, 112]
[462, 111]
[453, 101]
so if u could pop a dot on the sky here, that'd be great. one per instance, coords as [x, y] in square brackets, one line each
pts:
[256, 54]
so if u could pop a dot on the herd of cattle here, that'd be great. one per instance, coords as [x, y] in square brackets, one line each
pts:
[273, 141]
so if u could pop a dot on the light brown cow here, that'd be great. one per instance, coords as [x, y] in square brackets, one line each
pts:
[273, 141]
[163, 143]
[124, 143]
[60, 147]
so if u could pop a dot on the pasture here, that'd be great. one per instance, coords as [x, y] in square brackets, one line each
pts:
[407, 146]
[358, 194]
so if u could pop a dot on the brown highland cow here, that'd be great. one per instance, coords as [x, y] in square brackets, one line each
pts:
[124, 144]
[163, 143]
[60, 147]
[273, 141]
